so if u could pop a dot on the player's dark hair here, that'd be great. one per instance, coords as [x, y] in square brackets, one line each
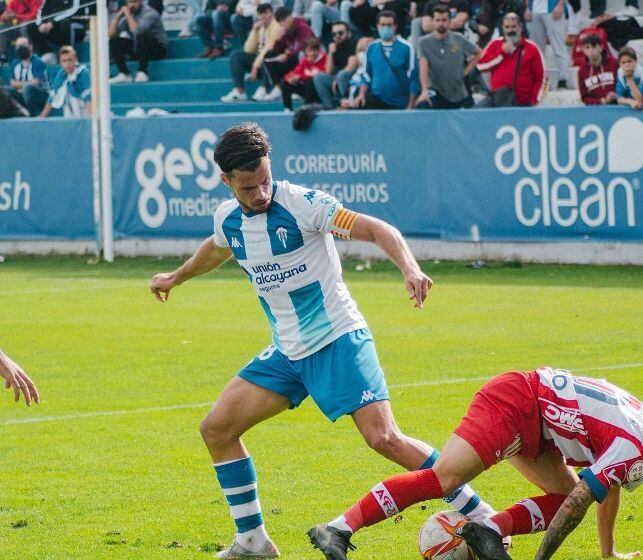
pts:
[440, 9]
[592, 39]
[387, 14]
[263, 8]
[282, 13]
[627, 51]
[241, 148]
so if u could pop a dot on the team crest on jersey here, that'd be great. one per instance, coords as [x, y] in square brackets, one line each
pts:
[636, 472]
[282, 235]
[568, 419]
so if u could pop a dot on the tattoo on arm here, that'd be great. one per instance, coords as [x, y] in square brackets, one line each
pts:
[566, 520]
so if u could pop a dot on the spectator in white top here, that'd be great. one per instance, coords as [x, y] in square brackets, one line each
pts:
[546, 22]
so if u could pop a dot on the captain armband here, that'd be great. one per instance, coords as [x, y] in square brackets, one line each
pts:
[343, 222]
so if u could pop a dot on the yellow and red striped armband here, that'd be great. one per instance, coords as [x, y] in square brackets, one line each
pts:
[343, 223]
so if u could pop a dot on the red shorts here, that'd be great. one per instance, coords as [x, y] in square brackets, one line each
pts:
[503, 418]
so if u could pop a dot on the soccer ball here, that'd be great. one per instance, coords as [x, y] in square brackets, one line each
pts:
[437, 538]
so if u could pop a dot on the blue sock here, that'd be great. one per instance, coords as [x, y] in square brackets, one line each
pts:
[238, 480]
[464, 499]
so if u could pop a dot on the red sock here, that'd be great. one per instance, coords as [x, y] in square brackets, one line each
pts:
[528, 516]
[392, 496]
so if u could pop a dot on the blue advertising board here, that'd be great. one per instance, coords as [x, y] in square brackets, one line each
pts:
[166, 183]
[542, 175]
[569, 174]
[46, 179]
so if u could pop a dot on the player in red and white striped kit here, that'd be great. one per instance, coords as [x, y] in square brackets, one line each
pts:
[543, 422]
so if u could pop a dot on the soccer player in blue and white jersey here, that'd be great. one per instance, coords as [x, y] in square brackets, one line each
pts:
[282, 236]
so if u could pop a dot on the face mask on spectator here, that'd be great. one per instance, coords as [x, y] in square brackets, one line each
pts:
[512, 37]
[385, 33]
[23, 52]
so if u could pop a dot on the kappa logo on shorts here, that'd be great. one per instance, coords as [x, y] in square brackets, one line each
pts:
[367, 396]
[385, 500]
[616, 474]
[568, 419]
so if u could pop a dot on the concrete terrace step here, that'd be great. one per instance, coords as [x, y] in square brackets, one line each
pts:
[201, 107]
[184, 69]
[181, 91]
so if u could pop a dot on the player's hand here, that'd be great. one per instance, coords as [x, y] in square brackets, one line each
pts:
[418, 285]
[623, 555]
[17, 379]
[161, 285]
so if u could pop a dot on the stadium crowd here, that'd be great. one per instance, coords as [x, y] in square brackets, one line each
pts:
[380, 54]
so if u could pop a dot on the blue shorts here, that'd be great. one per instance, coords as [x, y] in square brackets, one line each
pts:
[341, 377]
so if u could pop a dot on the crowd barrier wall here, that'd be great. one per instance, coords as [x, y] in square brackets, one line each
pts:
[519, 175]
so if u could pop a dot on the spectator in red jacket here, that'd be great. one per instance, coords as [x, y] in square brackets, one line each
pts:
[284, 55]
[597, 77]
[15, 12]
[300, 79]
[501, 57]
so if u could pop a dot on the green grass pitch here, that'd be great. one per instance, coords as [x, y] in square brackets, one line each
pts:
[111, 465]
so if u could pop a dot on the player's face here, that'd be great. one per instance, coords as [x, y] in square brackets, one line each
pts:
[252, 189]
[627, 63]
[68, 62]
[441, 22]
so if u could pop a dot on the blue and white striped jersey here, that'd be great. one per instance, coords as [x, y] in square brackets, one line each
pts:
[290, 257]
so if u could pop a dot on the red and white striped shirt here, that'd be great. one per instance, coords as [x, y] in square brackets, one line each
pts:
[594, 424]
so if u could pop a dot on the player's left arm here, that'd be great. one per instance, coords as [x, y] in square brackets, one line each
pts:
[606, 519]
[390, 240]
[566, 519]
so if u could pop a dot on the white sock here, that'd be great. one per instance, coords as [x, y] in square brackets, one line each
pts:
[340, 523]
[254, 539]
[481, 512]
[492, 525]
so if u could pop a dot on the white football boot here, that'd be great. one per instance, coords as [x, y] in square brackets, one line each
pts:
[236, 550]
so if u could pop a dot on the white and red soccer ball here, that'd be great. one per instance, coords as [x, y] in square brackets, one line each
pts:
[438, 540]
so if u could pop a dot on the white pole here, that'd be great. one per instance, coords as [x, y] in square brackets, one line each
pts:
[93, 57]
[105, 117]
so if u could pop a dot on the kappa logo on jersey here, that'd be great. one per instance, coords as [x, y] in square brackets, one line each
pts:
[367, 396]
[616, 473]
[385, 500]
[282, 234]
[568, 419]
[235, 243]
[636, 472]
[512, 449]
[309, 196]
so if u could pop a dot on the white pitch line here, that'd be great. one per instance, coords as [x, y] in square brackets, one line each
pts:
[447, 381]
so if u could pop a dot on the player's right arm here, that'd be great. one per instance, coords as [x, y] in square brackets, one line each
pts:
[206, 258]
